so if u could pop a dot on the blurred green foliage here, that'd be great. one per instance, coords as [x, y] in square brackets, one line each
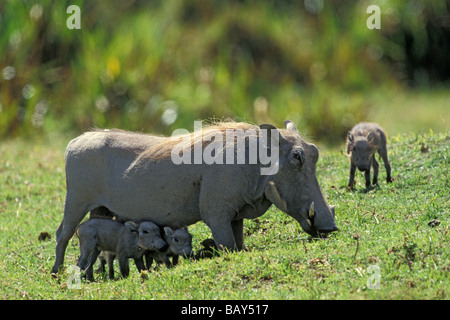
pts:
[154, 66]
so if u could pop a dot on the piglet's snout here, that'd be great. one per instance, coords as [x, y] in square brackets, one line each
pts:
[161, 246]
[363, 168]
[158, 245]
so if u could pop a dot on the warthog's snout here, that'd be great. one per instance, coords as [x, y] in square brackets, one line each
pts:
[363, 168]
[163, 248]
[328, 230]
[315, 232]
[314, 229]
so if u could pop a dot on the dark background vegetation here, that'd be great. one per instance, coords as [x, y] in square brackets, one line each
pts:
[154, 66]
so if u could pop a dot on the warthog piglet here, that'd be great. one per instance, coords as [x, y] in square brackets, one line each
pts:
[121, 239]
[362, 142]
[179, 244]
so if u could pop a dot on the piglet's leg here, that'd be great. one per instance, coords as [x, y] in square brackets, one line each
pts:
[175, 260]
[387, 165]
[139, 264]
[124, 266]
[375, 166]
[367, 177]
[383, 153]
[351, 179]
[148, 261]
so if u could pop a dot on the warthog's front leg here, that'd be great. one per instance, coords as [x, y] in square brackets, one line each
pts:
[174, 260]
[110, 259]
[223, 237]
[375, 170]
[387, 166]
[166, 261]
[124, 265]
[367, 177]
[139, 262]
[238, 232]
[222, 231]
[351, 179]
[148, 260]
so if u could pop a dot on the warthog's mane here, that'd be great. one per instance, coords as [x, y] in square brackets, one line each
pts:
[204, 137]
[163, 150]
[122, 132]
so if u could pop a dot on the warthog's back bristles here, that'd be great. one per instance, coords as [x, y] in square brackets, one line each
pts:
[207, 135]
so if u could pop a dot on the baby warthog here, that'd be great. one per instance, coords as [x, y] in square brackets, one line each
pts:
[179, 242]
[121, 239]
[362, 143]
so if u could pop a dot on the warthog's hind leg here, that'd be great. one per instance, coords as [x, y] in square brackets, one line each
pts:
[73, 214]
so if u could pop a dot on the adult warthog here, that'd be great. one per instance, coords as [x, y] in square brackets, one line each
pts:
[135, 176]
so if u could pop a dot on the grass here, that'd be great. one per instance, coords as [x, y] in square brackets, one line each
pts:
[385, 235]
[418, 110]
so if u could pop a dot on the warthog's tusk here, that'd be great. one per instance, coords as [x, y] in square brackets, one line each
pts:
[276, 198]
[311, 210]
[333, 210]
[309, 222]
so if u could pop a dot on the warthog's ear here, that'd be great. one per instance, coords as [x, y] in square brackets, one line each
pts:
[350, 140]
[350, 137]
[290, 126]
[168, 231]
[370, 140]
[131, 225]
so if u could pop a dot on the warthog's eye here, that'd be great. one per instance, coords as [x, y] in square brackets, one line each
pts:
[145, 231]
[175, 239]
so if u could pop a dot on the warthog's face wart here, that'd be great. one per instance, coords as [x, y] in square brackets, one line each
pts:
[295, 190]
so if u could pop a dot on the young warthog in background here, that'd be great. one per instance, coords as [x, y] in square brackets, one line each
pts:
[180, 244]
[101, 234]
[362, 142]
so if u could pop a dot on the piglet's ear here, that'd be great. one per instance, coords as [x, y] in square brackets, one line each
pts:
[350, 140]
[131, 225]
[168, 231]
[350, 137]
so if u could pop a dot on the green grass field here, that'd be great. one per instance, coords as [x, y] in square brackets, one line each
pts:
[390, 244]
